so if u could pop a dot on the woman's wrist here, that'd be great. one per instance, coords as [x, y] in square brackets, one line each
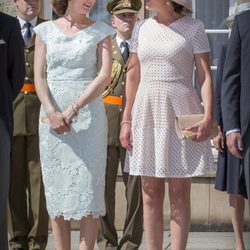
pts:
[50, 112]
[208, 117]
[75, 108]
[125, 122]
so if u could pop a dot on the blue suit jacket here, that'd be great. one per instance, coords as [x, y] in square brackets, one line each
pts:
[235, 99]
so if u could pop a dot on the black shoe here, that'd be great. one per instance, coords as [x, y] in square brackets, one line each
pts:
[18, 248]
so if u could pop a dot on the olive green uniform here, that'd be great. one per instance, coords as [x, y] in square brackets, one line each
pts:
[132, 231]
[28, 218]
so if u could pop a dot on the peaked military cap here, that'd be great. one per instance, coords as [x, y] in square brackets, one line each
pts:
[123, 6]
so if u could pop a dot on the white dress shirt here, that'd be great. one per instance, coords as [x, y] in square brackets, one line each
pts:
[119, 41]
[23, 27]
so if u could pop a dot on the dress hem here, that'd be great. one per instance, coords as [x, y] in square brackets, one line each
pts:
[77, 217]
[168, 176]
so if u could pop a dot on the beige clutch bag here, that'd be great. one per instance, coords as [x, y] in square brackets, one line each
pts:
[185, 121]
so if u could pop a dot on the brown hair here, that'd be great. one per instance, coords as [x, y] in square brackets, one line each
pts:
[60, 6]
[177, 7]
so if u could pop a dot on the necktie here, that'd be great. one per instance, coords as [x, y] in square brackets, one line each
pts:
[27, 34]
[125, 53]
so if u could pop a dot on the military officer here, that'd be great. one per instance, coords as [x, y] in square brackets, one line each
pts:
[124, 16]
[28, 219]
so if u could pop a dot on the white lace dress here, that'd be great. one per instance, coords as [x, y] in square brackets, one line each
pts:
[166, 55]
[73, 164]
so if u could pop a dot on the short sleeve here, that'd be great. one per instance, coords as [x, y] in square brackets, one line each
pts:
[200, 39]
[134, 37]
[41, 30]
[104, 31]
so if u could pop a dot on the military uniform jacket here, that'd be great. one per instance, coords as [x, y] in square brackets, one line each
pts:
[27, 105]
[116, 88]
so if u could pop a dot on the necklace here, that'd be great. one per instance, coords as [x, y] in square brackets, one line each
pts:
[79, 25]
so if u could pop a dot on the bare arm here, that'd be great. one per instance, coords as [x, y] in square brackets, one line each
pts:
[132, 83]
[97, 86]
[56, 119]
[204, 127]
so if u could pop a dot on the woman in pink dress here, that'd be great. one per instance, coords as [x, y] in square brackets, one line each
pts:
[159, 87]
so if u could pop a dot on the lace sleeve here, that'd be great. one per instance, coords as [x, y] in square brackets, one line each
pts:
[200, 39]
[104, 30]
[41, 31]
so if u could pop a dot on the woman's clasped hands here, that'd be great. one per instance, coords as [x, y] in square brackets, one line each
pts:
[61, 121]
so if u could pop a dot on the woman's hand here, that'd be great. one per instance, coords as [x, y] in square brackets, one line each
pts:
[126, 138]
[218, 140]
[58, 122]
[202, 128]
[69, 113]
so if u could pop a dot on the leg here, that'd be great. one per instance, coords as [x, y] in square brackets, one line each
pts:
[153, 191]
[18, 220]
[88, 232]
[5, 149]
[38, 216]
[107, 236]
[237, 206]
[133, 225]
[179, 196]
[61, 233]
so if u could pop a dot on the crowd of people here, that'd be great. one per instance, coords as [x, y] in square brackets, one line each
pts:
[81, 98]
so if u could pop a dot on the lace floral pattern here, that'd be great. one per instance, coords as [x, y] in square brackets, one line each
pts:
[73, 164]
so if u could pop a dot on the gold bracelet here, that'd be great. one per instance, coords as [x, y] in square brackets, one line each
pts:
[124, 122]
[75, 108]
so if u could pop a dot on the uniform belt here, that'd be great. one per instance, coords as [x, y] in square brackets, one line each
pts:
[28, 87]
[115, 100]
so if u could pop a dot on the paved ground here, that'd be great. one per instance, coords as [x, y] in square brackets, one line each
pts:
[197, 241]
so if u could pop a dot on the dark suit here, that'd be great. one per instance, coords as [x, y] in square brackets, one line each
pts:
[132, 231]
[229, 174]
[11, 81]
[236, 86]
[28, 218]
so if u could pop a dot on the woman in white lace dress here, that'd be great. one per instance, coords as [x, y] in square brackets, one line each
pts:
[72, 68]
[159, 87]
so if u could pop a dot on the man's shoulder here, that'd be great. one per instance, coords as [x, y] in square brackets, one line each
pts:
[41, 20]
[244, 17]
[7, 19]
[114, 44]
[114, 41]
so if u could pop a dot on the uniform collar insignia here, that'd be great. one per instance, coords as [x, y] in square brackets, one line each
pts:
[127, 4]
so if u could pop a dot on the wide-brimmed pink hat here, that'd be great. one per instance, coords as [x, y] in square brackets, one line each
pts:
[185, 4]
